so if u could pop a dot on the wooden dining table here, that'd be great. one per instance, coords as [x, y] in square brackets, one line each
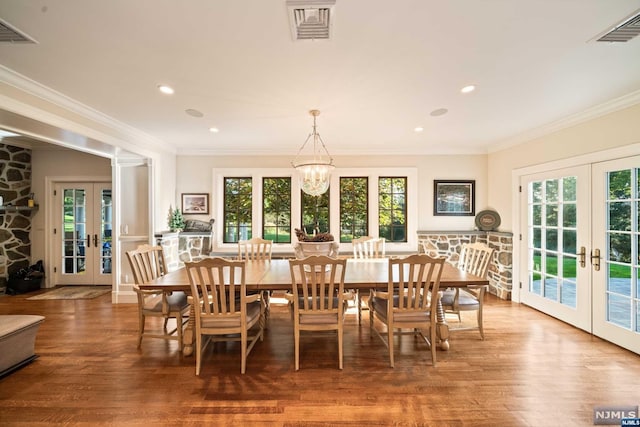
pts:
[275, 275]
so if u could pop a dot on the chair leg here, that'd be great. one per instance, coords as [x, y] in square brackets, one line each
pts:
[340, 333]
[432, 343]
[359, 305]
[480, 326]
[141, 321]
[179, 326]
[198, 352]
[243, 351]
[390, 345]
[296, 339]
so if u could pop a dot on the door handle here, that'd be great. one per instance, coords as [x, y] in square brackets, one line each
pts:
[595, 259]
[582, 256]
[95, 240]
[88, 240]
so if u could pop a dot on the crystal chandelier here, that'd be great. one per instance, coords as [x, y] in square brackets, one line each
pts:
[314, 174]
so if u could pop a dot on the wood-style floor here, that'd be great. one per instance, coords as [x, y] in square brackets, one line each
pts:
[531, 370]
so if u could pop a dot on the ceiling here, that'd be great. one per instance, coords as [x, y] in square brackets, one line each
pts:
[387, 67]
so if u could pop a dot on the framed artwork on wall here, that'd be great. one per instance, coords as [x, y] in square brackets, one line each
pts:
[195, 203]
[454, 197]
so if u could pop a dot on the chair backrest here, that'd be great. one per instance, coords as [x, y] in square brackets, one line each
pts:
[317, 282]
[475, 258]
[369, 247]
[255, 249]
[147, 263]
[219, 282]
[414, 282]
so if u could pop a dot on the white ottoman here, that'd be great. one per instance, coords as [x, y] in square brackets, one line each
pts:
[17, 341]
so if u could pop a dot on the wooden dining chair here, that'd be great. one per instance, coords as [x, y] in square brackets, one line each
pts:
[366, 247]
[409, 302]
[255, 249]
[317, 300]
[147, 263]
[223, 309]
[475, 258]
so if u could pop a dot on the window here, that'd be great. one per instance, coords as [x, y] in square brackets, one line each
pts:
[354, 210]
[392, 208]
[315, 212]
[237, 209]
[276, 209]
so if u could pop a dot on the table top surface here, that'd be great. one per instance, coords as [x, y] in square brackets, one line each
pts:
[275, 275]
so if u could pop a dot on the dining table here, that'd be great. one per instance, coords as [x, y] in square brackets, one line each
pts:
[274, 275]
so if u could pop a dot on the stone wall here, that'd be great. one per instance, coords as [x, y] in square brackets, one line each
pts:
[449, 243]
[15, 225]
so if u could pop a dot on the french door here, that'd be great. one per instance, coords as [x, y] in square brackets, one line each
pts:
[555, 209]
[581, 247]
[82, 234]
[616, 273]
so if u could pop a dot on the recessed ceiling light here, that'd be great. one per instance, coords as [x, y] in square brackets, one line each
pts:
[166, 89]
[439, 112]
[193, 113]
[214, 130]
[468, 89]
[419, 129]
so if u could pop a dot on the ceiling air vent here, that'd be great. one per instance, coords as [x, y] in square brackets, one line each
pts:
[625, 31]
[9, 34]
[311, 19]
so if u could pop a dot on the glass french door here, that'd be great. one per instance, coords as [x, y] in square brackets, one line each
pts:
[616, 252]
[84, 215]
[555, 274]
[580, 247]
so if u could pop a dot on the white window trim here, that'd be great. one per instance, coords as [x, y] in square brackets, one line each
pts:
[217, 199]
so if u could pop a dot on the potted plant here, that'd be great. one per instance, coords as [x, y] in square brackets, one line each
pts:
[176, 220]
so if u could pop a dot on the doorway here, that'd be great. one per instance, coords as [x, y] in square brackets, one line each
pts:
[82, 233]
[580, 247]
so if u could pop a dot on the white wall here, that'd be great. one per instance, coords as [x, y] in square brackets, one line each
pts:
[194, 175]
[609, 131]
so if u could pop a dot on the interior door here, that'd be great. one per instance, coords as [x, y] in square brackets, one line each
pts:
[616, 252]
[555, 276]
[82, 235]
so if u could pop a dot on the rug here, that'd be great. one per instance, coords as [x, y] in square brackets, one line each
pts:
[73, 292]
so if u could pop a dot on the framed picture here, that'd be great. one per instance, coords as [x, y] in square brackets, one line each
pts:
[454, 197]
[195, 203]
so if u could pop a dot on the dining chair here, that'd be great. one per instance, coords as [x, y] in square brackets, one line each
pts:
[257, 249]
[366, 247]
[147, 263]
[475, 258]
[223, 309]
[409, 302]
[317, 299]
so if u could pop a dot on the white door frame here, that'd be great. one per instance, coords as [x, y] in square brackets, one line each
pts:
[49, 185]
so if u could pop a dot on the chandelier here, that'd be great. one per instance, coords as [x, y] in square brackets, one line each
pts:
[314, 174]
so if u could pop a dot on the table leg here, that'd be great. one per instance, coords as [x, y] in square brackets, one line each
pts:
[188, 335]
[442, 329]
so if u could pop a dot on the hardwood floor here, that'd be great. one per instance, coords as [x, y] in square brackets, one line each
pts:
[531, 370]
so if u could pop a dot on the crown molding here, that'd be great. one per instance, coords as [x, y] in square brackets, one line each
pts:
[130, 135]
[611, 106]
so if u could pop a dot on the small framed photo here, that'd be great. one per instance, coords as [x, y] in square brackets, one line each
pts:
[195, 203]
[454, 197]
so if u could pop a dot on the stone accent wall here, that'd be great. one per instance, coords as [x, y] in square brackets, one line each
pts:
[449, 244]
[185, 246]
[15, 186]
